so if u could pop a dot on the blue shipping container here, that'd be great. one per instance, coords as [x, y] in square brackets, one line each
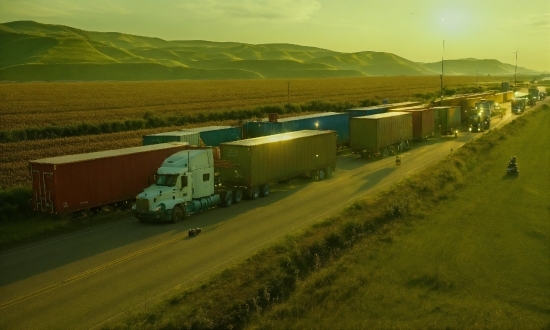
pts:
[335, 121]
[213, 136]
[367, 111]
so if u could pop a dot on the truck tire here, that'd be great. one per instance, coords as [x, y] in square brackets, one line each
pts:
[238, 196]
[385, 153]
[177, 214]
[328, 172]
[227, 198]
[264, 190]
[254, 193]
[321, 174]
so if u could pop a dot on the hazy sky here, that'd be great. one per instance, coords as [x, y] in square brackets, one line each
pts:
[413, 29]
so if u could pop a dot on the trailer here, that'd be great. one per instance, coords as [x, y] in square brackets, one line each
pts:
[449, 119]
[194, 180]
[213, 136]
[193, 138]
[334, 121]
[367, 111]
[423, 119]
[382, 134]
[75, 183]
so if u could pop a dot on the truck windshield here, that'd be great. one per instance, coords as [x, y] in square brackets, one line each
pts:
[168, 180]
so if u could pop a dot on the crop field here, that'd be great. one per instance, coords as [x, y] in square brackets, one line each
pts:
[31, 105]
[67, 103]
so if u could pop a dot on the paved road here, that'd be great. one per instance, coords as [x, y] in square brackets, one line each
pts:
[82, 280]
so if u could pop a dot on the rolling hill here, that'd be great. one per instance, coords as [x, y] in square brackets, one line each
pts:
[34, 51]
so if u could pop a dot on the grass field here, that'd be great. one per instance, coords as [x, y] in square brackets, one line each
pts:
[460, 245]
[479, 260]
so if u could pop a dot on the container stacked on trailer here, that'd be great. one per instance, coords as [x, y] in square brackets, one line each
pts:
[213, 136]
[193, 138]
[334, 121]
[80, 182]
[423, 120]
[449, 118]
[381, 134]
[367, 111]
[258, 162]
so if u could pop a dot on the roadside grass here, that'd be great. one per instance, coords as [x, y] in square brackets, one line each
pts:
[457, 245]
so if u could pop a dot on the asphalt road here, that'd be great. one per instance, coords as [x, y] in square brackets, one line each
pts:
[82, 280]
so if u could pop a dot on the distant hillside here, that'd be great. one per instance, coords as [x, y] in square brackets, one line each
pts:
[34, 51]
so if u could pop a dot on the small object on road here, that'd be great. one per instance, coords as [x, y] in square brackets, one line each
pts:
[512, 166]
[194, 232]
[397, 160]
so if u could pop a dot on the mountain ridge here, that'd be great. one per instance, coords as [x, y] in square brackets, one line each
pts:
[36, 51]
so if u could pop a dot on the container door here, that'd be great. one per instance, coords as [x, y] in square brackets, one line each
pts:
[37, 199]
[48, 194]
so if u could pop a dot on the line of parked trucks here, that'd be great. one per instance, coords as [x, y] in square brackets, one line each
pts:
[175, 174]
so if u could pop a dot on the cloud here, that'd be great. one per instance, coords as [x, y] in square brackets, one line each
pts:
[541, 21]
[38, 9]
[289, 10]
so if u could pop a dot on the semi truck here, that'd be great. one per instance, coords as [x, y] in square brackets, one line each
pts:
[534, 95]
[380, 135]
[77, 183]
[518, 105]
[449, 118]
[479, 118]
[199, 178]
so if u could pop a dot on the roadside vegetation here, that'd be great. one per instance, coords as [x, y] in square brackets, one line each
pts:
[458, 245]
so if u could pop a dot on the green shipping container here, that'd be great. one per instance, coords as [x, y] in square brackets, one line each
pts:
[449, 118]
[370, 134]
[193, 138]
[262, 160]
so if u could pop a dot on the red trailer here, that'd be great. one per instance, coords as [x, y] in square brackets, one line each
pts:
[423, 118]
[80, 182]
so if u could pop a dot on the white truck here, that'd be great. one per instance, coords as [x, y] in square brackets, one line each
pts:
[194, 180]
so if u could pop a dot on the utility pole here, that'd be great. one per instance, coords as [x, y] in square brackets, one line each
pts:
[442, 72]
[516, 70]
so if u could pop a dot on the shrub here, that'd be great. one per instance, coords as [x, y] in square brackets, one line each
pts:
[14, 201]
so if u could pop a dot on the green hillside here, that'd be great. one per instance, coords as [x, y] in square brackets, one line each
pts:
[35, 51]
[484, 67]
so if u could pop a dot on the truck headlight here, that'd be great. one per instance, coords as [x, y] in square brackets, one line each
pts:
[161, 207]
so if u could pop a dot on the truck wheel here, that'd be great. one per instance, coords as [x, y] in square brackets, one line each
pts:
[228, 198]
[385, 153]
[254, 193]
[238, 196]
[320, 175]
[177, 214]
[264, 190]
[328, 172]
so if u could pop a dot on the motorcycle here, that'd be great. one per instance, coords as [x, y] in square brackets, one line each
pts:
[512, 168]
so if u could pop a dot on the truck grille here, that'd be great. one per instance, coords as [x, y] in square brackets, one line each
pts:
[142, 205]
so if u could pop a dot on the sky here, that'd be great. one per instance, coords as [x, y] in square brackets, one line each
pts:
[418, 30]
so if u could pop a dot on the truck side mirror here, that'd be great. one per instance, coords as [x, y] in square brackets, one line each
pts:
[183, 181]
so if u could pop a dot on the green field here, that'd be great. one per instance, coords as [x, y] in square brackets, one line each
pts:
[460, 245]
[479, 260]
